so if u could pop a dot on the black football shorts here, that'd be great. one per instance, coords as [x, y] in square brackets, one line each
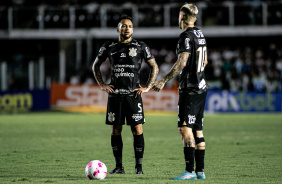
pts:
[191, 110]
[124, 107]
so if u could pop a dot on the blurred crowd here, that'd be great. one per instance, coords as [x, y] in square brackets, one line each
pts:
[246, 69]
[239, 69]
[87, 14]
[83, 2]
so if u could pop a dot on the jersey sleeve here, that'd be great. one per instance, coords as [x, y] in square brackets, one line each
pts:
[103, 54]
[147, 55]
[184, 43]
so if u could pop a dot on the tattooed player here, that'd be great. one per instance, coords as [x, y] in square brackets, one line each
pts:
[124, 99]
[192, 59]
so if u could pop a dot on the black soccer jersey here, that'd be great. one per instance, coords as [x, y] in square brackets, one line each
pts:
[125, 60]
[192, 77]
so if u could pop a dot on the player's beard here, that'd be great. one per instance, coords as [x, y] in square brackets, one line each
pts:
[125, 37]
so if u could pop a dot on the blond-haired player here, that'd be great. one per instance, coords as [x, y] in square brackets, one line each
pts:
[192, 59]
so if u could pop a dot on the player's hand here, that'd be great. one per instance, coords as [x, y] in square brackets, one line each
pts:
[158, 85]
[108, 88]
[140, 91]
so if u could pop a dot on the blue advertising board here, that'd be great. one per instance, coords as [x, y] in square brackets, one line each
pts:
[226, 101]
[28, 100]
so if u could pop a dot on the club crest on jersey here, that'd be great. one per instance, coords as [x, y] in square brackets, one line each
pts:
[132, 52]
[111, 117]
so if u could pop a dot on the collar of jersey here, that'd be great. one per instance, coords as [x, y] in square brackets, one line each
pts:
[128, 42]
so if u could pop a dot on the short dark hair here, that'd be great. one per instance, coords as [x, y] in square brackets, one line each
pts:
[125, 17]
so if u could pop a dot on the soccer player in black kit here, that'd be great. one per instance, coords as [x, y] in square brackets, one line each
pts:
[124, 92]
[192, 59]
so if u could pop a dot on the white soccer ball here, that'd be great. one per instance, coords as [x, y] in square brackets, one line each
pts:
[96, 170]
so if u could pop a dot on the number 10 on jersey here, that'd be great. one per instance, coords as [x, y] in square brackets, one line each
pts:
[202, 58]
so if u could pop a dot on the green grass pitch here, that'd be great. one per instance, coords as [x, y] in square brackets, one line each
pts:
[54, 147]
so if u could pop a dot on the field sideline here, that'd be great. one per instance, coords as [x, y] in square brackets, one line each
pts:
[54, 147]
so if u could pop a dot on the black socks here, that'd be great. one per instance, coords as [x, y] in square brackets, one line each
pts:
[189, 155]
[199, 158]
[117, 145]
[138, 144]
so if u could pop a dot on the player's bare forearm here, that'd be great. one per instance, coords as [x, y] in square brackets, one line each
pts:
[174, 71]
[177, 67]
[96, 71]
[98, 76]
[154, 72]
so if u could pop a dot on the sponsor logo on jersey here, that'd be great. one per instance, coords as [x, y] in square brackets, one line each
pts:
[126, 74]
[124, 66]
[122, 55]
[184, 123]
[122, 91]
[137, 117]
[111, 117]
[119, 71]
[132, 52]
[113, 53]
[202, 41]
[101, 51]
[191, 119]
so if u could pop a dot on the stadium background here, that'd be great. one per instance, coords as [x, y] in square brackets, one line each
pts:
[46, 55]
[47, 50]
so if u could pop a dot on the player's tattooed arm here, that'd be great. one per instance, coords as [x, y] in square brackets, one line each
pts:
[178, 66]
[154, 72]
[174, 71]
[96, 71]
[98, 76]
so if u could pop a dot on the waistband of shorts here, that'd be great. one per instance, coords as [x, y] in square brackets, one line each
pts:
[120, 95]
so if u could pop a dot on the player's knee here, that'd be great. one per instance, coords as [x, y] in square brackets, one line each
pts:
[200, 142]
[116, 130]
[137, 129]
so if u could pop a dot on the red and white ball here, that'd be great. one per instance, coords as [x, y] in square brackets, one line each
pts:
[96, 170]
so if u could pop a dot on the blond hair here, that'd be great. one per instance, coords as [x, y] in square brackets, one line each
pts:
[190, 11]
